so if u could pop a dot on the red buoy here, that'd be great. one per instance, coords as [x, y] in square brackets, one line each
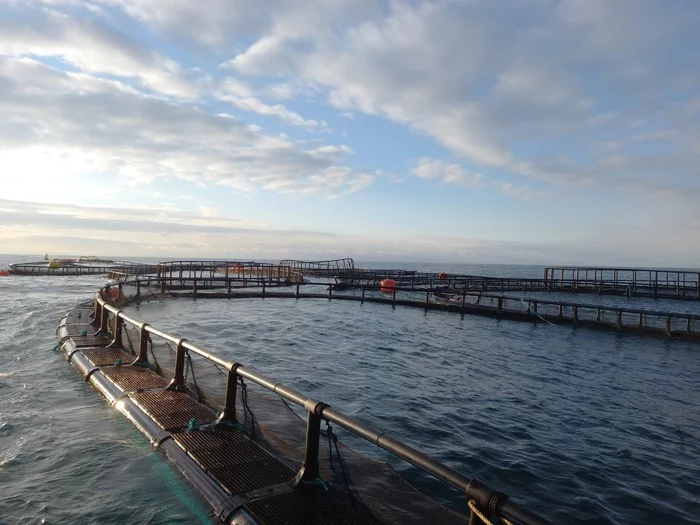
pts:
[442, 275]
[387, 285]
[4, 273]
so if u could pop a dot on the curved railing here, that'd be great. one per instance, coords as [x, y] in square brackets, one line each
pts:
[480, 496]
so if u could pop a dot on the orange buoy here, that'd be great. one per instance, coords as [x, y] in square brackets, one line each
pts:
[4, 273]
[387, 285]
[442, 275]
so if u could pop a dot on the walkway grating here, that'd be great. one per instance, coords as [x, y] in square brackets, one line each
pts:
[303, 508]
[172, 410]
[101, 356]
[238, 464]
[82, 341]
[130, 378]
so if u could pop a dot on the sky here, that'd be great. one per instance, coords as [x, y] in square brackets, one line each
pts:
[475, 131]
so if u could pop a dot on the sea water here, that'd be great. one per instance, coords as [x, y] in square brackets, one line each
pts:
[581, 426]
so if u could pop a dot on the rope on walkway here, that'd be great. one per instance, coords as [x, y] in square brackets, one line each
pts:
[246, 408]
[191, 367]
[332, 437]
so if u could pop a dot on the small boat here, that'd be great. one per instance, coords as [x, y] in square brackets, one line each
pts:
[443, 295]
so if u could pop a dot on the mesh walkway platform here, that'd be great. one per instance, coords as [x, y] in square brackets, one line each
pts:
[132, 378]
[257, 462]
[101, 356]
[173, 410]
[235, 462]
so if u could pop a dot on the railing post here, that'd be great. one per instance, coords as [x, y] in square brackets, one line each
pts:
[619, 319]
[575, 314]
[363, 295]
[263, 288]
[95, 307]
[330, 292]
[143, 344]
[597, 315]
[138, 288]
[309, 468]
[117, 324]
[104, 319]
[393, 296]
[194, 288]
[297, 294]
[178, 380]
[228, 413]
[668, 326]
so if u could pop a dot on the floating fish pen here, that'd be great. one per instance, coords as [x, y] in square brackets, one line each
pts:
[258, 451]
[80, 266]
[641, 282]
[208, 275]
[462, 294]
[668, 324]
[329, 268]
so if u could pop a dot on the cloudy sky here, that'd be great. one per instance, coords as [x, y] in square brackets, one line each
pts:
[536, 131]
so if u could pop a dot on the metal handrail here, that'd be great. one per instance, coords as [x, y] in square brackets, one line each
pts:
[485, 497]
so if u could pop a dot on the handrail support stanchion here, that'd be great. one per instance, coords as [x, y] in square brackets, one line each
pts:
[228, 413]
[143, 344]
[178, 380]
[117, 324]
[310, 469]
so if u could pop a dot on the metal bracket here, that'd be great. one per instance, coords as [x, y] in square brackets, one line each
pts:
[160, 438]
[230, 505]
[90, 372]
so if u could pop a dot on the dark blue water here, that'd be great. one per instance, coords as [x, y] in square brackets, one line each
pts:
[579, 425]
[65, 455]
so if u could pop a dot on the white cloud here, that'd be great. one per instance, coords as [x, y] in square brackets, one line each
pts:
[497, 83]
[242, 96]
[428, 168]
[104, 127]
[516, 190]
[31, 227]
[92, 46]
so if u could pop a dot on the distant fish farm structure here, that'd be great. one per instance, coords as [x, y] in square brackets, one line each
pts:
[80, 266]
